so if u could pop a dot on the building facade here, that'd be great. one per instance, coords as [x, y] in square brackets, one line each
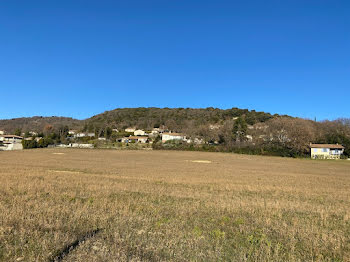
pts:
[134, 139]
[172, 136]
[326, 151]
[130, 129]
[139, 132]
[11, 142]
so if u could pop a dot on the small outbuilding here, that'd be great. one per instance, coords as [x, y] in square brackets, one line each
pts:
[326, 151]
[173, 136]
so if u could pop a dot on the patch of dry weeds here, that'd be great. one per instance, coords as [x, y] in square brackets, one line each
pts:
[150, 206]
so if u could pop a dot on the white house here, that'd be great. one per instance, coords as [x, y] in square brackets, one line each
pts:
[172, 136]
[135, 139]
[11, 138]
[72, 132]
[11, 142]
[84, 135]
[326, 151]
[139, 132]
[80, 135]
[130, 129]
[2, 132]
[77, 145]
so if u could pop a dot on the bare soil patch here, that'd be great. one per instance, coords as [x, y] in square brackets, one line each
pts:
[200, 161]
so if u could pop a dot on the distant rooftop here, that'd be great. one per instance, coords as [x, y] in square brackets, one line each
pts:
[11, 136]
[332, 146]
[173, 134]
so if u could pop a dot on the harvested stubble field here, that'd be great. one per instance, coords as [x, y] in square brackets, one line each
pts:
[105, 205]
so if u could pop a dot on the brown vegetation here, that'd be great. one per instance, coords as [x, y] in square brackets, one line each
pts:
[146, 118]
[171, 205]
[231, 130]
[37, 123]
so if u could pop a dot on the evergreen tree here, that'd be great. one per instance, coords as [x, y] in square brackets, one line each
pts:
[239, 129]
[18, 132]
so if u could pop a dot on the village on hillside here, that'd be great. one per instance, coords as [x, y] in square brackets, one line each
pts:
[77, 139]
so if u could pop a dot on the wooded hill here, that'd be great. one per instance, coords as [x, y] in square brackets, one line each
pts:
[146, 118]
[172, 118]
[37, 123]
[233, 130]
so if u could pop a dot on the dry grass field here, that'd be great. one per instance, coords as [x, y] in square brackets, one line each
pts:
[106, 205]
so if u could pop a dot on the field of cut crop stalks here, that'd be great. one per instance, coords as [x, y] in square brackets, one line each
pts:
[106, 205]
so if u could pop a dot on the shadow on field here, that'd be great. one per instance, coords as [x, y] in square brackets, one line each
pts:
[61, 254]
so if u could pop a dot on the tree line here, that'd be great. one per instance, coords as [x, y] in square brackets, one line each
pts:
[232, 130]
[281, 136]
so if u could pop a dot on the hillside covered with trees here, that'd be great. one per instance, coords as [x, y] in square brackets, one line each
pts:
[146, 118]
[173, 118]
[229, 130]
[37, 123]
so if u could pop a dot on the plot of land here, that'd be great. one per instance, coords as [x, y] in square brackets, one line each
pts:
[105, 205]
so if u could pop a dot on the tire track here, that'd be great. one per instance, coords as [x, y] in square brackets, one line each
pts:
[61, 254]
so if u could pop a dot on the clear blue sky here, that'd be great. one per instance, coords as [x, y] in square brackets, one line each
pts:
[80, 57]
